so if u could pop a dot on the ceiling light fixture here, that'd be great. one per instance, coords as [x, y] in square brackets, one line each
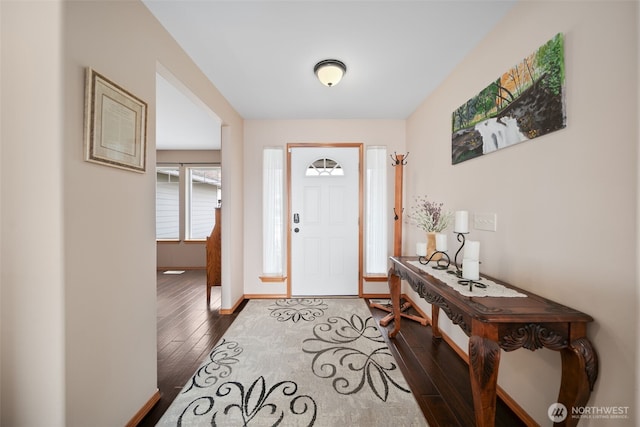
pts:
[330, 71]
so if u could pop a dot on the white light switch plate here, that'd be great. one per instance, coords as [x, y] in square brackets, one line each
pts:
[485, 221]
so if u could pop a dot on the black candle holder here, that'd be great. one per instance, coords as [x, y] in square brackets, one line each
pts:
[471, 284]
[458, 271]
[424, 261]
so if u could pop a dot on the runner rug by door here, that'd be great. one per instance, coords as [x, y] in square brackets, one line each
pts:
[298, 362]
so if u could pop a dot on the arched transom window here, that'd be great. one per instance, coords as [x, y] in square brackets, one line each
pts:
[324, 167]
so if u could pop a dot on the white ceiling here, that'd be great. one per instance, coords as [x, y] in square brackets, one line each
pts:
[182, 121]
[260, 54]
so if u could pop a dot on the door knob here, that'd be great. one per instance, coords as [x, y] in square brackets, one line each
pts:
[296, 229]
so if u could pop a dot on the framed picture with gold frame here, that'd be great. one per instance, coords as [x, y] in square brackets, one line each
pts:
[115, 124]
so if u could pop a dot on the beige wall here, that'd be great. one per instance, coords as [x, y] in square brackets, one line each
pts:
[278, 133]
[32, 373]
[184, 254]
[232, 216]
[79, 287]
[566, 202]
[637, 358]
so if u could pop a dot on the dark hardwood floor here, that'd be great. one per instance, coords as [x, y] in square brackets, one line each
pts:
[188, 329]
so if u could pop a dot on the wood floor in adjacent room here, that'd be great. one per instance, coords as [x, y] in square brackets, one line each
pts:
[188, 329]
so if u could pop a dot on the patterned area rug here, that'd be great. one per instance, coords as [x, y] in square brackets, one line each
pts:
[298, 362]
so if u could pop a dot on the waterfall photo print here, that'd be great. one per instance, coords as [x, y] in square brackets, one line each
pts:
[524, 103]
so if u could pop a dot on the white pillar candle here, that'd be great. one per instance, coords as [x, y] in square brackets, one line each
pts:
[472, 250]
[421, 249]
[441, 242]
[462, 222]
[470, 269]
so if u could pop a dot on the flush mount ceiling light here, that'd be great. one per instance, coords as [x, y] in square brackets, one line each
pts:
[330, 71]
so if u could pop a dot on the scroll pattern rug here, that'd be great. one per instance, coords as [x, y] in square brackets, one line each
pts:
[298, 362]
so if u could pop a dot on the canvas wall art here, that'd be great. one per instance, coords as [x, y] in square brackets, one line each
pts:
[524, 103]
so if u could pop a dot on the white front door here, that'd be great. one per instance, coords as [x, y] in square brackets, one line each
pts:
[324, 203]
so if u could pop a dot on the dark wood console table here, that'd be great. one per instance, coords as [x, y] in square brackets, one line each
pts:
[494, 323]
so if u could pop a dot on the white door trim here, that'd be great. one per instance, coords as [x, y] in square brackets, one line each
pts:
[360, 147]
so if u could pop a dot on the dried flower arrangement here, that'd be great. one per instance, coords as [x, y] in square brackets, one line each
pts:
[429, 216]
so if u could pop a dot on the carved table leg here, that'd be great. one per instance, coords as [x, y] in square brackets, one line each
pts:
[484, 360]
[435, 328]
[394, 289]
[579, 374]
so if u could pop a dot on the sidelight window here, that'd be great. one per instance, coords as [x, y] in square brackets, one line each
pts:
[376, 211]
[273, 212]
